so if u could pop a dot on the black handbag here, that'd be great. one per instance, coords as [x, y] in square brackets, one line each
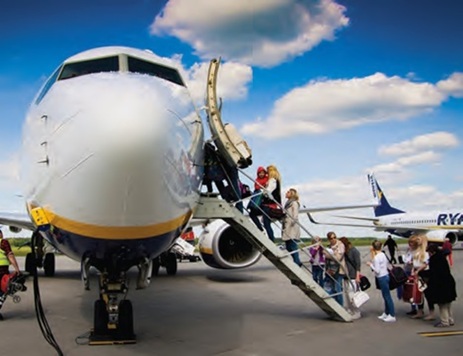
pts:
[274, 211]
[364, 283]
[397, 277]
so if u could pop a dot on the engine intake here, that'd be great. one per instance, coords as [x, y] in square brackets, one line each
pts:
[225, 248]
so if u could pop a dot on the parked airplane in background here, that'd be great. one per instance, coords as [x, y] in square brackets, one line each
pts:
[437, 225]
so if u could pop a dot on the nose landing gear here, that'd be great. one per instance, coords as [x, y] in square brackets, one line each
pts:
[113, 319]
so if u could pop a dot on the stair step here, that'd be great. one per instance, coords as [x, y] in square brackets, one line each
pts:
[299, 276]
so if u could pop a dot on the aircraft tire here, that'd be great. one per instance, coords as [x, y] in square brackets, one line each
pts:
[171, 264]
[49, 264]
[156, 266]
[125, 319]
[100, 318]
[29, 265]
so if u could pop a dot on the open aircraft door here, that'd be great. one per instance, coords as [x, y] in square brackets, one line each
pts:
[226, 137]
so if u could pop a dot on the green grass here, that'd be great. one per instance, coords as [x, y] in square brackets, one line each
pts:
[356, 241]
[23, 251]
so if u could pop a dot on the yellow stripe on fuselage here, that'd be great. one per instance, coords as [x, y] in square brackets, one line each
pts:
[116, 232]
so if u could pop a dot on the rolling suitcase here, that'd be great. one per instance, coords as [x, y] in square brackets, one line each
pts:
[412, 293]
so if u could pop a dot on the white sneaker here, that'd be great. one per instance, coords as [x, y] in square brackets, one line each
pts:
[382, 316]
[389, 319]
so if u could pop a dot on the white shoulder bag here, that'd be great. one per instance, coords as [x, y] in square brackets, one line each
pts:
[360, 298]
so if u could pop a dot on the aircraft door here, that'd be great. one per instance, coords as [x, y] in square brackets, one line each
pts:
[226, 137]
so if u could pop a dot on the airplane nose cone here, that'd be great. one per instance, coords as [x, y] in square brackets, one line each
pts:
[130, 123]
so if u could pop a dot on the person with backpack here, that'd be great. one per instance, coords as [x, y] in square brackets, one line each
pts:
[272, 194]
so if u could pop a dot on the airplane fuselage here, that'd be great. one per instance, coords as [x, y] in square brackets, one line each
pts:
[113, 156]
[429, 220]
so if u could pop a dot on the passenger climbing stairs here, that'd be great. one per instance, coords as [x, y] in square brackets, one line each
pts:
[234, 149]
[215, 208]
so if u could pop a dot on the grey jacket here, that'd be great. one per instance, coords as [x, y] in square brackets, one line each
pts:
[291, 230]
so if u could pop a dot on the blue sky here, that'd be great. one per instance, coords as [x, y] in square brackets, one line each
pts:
[326, 90]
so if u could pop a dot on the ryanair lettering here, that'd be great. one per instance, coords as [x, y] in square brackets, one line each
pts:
[450, 219]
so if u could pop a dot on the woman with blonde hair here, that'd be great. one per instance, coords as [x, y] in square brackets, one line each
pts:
[272, 194]
[421, 268]
[291, 229]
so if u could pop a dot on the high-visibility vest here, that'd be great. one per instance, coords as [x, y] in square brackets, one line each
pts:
[4, 261]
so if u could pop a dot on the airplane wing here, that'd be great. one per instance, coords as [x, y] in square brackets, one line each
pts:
[373, 220]
[313, 221]
[339, 207]
[18, 220]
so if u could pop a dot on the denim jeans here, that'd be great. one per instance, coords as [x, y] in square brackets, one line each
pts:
[333, 285]
[338, 289]
[388, 303]
[267, 222]
[291, 246]
[317, 274]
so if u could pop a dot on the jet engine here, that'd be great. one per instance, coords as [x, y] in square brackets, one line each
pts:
[15, 229]
[221, 246]
[440, 235]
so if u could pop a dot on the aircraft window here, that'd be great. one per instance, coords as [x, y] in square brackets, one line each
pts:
[47, 85]
[71, 70]
[137, 65]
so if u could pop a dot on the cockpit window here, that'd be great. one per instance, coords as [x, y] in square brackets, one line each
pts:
[47, 85]
[71, 70]
[137, 65]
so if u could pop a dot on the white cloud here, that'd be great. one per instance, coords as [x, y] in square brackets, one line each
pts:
[10, 184]
[435, 140]
[232, 83]
[257, 32]
[327, 105]
[452, 86]
[9, 168]
[404, 162]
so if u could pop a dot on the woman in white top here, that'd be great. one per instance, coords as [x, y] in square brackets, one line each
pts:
[379, 266]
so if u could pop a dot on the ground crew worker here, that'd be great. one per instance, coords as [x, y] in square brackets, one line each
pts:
[6, 258]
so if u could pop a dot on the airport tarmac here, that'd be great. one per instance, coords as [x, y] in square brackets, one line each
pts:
[203, 311]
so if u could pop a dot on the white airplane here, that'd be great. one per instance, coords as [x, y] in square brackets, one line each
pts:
[111, 173]
[437, 225]
[112, 167]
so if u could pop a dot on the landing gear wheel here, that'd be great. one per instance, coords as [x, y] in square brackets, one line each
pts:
[125, 326]
[100, 318]
[156, 266]
[30, 262]
[49, 265]
[171, 264]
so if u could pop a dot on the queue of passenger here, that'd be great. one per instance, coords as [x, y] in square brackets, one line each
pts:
[337, 266]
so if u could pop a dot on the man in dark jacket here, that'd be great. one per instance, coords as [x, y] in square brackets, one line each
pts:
[392, 247]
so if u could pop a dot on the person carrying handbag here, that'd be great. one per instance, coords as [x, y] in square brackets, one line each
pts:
[351, 284]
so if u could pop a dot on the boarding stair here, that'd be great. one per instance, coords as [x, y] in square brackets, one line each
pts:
[234, 149]
[216, 208]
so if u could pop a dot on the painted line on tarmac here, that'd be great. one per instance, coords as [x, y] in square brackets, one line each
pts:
[441, 333]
